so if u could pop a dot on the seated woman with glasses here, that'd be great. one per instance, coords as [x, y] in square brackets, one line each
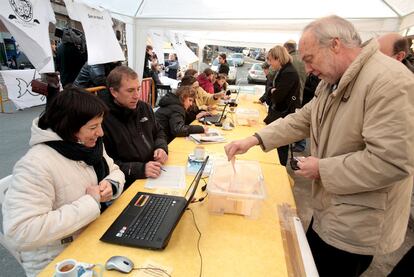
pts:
[61, 183]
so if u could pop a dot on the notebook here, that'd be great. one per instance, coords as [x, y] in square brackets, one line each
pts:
[149, 219]
[214, 118]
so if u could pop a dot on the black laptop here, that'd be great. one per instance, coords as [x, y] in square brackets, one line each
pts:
[149, 219]
[216, 118]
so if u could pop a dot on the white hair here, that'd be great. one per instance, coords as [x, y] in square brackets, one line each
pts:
[327, 28]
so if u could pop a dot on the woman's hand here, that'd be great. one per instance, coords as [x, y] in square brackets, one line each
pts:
[94, 192]
[202, 114]
[105, 189]
[160, 155]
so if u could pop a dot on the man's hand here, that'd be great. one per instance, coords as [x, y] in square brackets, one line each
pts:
[152, 169]
[309, 167]
[160, 155]
[105, 189]
[240, 146]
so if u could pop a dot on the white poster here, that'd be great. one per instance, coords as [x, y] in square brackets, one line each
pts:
[157, 38]
[101, 42]
[28, 22]
[20, 90]
[184, 54]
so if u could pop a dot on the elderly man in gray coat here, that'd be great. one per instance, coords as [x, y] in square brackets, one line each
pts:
[361, 143]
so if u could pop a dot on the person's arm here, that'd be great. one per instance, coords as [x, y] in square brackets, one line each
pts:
[115, 175]
[173, 65]
[180, 129]
[29, 216]
[131, 170]
[160, 138]
[388, 132]
[293, 127]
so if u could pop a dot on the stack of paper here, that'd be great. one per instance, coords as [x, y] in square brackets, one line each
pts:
[212, 136]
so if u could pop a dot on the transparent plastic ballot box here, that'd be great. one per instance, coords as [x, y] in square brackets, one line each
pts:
[239, 193]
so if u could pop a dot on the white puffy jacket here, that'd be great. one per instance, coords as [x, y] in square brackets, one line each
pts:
[46, 204]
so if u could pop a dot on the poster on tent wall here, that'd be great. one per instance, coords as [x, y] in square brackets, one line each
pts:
[19, 88]
[184, 54]
[28, 22]
[101, 42]
[157, 38]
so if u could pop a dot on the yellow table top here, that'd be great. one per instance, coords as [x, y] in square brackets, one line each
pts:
[231, 245]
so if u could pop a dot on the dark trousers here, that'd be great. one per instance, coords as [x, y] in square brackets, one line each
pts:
[405, 267]
[283, 152]
[331, 261]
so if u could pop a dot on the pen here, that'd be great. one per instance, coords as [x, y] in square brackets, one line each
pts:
[163, 169]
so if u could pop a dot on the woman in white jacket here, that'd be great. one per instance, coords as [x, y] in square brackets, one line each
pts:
[59, 186]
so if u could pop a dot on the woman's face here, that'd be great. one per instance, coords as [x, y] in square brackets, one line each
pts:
[274, 63]
[188, 102]
[221, 82]
[195, 86]
[90, 132]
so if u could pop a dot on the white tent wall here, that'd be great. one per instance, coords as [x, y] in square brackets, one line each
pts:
[224, 22]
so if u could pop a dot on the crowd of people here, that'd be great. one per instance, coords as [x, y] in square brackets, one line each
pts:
[350, 100]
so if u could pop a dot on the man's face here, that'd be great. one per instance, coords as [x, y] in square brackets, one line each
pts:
[320, 61]
[128, 93]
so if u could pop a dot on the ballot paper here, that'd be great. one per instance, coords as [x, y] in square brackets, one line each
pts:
[172, 177]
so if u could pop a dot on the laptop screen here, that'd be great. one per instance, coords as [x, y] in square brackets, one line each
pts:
[195, 182]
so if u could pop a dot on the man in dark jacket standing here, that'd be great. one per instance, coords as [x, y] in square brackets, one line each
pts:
[132, 138]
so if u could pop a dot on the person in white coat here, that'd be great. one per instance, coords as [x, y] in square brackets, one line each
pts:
[60, 184]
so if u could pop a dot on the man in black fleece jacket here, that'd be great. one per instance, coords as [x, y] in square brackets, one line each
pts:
[133, 138]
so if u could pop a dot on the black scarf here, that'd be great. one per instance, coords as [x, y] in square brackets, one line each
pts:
[78, 152]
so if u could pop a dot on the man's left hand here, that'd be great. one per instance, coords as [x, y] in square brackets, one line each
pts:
[309, 167]
[160, 155]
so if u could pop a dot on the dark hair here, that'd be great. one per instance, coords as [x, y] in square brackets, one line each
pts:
[184, 92]
[190, 72]
[149, 47]
[70, 110]
[208, 71]
[400, 45]
[290, 46]
[188, 80]
[221, 76]
[223, 55]
[115, 76]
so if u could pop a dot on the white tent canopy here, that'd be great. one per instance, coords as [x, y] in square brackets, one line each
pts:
[259, 23]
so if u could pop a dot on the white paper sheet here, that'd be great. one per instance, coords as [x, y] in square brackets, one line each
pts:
[173, 177]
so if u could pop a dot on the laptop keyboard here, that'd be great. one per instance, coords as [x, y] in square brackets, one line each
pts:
[146, 224]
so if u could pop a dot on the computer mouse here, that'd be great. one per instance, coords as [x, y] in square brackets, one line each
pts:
[119, 263]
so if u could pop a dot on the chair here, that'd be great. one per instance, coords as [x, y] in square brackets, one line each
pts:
[95, 89]
[148, 91]
[161, 91]
[4, 185]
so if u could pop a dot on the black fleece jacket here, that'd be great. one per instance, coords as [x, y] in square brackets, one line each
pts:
[131, 137]
[172, 117]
